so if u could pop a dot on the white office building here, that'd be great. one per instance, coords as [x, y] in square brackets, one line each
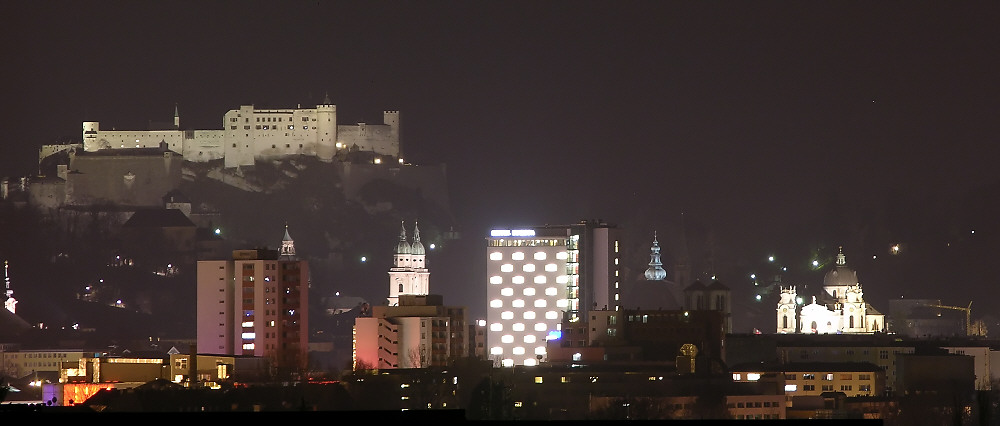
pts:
[537, 276]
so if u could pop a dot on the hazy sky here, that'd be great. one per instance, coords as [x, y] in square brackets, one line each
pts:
[755, 119]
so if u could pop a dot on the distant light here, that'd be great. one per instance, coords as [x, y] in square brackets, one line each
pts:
[758, 298]
[432, 246]
[336, 294]
[770, 258]
[753, 276]
[973, 231]
[400, 161]
[686, 313]
[894, 249]
[364, 259]
[815, 263]
[378, 160]
[218, 231]
[874, 256]
[784, 268]
[798, 300]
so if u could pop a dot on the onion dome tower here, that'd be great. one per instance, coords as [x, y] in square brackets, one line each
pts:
[655, 272]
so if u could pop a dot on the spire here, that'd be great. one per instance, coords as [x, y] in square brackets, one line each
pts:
[402, 247]
[287, 246]
[655, 272]
[177, 118]
[417, 247]
[326, 99]
[841, 259]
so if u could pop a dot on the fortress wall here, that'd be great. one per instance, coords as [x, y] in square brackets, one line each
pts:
[431, 181]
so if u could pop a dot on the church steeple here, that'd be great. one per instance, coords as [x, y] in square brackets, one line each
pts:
[402, 247]
[841, 259]
[287, 246]
[177, 118]
[655, 272]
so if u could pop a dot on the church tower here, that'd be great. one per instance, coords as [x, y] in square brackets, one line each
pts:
[408, 274]
[287, 247]
[655, 272]
[786, 311]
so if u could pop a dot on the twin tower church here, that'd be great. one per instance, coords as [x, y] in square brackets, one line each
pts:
[839, 309]
[408, 274]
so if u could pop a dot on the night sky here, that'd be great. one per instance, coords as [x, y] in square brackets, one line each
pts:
[785, 128]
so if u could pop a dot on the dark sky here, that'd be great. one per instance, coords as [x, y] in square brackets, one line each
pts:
[772, 126]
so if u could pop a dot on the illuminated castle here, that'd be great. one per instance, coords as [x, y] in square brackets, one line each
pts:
[250, 134]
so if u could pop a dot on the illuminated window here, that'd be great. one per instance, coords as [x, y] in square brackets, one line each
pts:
[496, 326]
[753, 377]
[791, 388]
[530, 338]
[551, 291]
[506, 267]
[507, 291]
[562, 255]
[517, 255]
[577, 356]
[551, 267]
[507, 338]
[529, 291]
[507, 315]
[496, 279]
[518, 350]
[540, 279]
[539, 350]
[517, 303]
[541, 303]
[507, 362]
[529, 314]
[529, 267]
[496, 303]
[496, 256]
[517, 279]
[551, 315]
[248, 346]
[539, 255]
[540, 326]
[562, 303]
[538, 379]
[496, 350]
[562, 279]
[517, 326]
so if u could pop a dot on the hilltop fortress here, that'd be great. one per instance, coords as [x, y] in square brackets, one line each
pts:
[249, 134]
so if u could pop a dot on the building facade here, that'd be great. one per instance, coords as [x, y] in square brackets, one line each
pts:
[415, 329]
[256, 304]
[839, 309]
[538, 276]
[249, 134]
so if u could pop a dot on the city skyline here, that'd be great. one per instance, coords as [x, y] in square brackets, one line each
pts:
[774, 129]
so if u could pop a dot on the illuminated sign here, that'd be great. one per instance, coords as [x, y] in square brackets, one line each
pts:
[554, 335]
[512, 233]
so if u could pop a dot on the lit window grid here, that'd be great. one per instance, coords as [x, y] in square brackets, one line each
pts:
[505, 295]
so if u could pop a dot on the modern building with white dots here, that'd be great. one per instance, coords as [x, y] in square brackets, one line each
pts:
[536, 276]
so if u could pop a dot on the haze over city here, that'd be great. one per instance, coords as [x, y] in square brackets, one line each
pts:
[779, 129]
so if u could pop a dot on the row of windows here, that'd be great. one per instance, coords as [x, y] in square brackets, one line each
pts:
[519, 279]
[517, 350]
[519, 255]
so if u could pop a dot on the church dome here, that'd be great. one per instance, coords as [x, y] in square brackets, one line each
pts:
[655, 272]
[417, 247]
[840, 275]
[403, 247]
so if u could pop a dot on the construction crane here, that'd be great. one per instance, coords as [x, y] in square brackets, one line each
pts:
[968, 315]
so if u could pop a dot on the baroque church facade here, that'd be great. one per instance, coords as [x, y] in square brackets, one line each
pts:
[839, 309]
